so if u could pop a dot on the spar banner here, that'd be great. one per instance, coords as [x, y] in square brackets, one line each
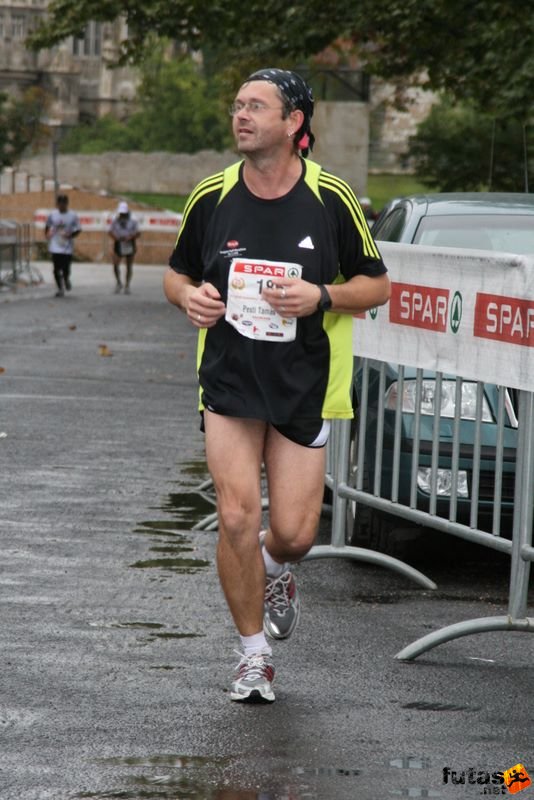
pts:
[160, 221]
[463, 312]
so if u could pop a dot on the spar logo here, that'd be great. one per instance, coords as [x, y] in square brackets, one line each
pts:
[507, 319]
[420, 306]
[456, 312]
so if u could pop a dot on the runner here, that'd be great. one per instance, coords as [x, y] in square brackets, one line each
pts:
[273, 257]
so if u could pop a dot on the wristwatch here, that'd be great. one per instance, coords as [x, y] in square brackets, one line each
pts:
[325, 301]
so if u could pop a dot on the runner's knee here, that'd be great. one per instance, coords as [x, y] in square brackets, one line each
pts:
[237, 520]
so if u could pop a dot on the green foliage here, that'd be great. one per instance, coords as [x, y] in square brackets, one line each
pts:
[384, 187]
[21, 124]
[479, 51]
[459, 149]
[179, 111]
[104, 134]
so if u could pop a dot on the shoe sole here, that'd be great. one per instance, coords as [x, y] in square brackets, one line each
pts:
[254, 696]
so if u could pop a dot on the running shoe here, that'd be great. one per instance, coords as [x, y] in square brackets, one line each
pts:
[254, 679]
[281, 607]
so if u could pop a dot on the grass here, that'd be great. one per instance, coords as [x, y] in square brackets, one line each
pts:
[384, 187]
[380, 188]
[170, 202]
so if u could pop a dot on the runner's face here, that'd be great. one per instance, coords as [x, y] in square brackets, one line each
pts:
[261, 128]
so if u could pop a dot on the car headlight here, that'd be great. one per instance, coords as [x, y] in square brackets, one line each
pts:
[443, 482]
[448, 399]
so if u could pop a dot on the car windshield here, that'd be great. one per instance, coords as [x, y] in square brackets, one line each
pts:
[512, 233]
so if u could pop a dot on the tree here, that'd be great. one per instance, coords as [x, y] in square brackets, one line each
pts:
[457, 148]
[179, 111]
[481, 51]
[21, 124]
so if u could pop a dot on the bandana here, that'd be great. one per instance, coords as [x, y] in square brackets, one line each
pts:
[298, 93]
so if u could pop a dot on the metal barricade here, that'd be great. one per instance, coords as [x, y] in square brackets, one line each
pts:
[380, 439]
[336, 479]
[8, 251]
[16, 251]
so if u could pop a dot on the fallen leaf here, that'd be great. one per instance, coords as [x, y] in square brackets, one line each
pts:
[104, 350]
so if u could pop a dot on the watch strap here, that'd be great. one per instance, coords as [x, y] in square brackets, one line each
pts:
[325, 301]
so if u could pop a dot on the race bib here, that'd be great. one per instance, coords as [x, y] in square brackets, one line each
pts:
[126, 247]
[249, 314]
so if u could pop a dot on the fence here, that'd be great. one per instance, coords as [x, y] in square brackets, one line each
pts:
[16, 254]
[444, 434]
[444, 429]
[158, 234]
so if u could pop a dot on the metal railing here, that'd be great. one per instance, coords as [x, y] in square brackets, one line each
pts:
[376, 468]
[17, 246]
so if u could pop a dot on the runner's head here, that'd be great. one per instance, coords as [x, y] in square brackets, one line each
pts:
[62, 202]
[295, 95]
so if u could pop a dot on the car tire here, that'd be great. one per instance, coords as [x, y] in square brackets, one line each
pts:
[366, 527]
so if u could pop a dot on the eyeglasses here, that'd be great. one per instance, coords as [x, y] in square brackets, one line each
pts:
[253, 106]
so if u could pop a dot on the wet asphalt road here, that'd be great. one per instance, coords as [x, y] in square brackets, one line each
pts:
[117, 650]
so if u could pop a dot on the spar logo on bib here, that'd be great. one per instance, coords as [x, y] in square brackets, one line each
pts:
[507, 319]
[419, 306]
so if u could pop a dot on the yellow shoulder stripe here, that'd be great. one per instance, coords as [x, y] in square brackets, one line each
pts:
[231, 177]
[343, 190]
[311, 177]
[211, 184]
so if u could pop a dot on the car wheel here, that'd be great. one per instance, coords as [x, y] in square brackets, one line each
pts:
[366, 527]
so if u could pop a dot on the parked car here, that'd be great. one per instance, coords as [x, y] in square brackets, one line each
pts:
[488, 221]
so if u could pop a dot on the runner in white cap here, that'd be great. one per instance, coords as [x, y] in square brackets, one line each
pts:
[124, 231]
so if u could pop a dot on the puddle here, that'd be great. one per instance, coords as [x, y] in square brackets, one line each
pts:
[184, 566]
[161, 526]
[144, 625]
[153, 627]
[422, 705]
[177, 635]
[196, 469]
[179, 777]
[188, 508]
[172, 548]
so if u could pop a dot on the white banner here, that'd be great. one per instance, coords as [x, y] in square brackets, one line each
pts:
[167, 221]
[463, 312]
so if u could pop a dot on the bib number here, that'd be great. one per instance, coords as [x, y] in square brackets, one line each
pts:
[246, 311]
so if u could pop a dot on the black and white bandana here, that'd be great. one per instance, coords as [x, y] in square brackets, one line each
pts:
[298, 93]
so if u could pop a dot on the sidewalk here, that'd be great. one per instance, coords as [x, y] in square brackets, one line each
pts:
[117, 649]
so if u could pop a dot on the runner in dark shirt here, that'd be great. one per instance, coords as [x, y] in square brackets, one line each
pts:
[272, 259]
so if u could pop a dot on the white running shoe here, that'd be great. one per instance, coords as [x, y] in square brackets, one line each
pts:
[254, 679]
[281, 608]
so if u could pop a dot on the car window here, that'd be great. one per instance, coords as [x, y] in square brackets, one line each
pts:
[504, 232]
[390, 228]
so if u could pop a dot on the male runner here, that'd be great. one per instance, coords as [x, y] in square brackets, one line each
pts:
[272, 258]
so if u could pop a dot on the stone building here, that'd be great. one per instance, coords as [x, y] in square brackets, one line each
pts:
[76, 73]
